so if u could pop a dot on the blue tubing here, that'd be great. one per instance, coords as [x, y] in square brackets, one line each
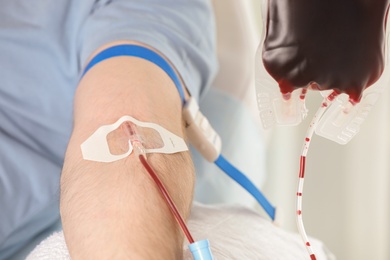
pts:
[241, 179]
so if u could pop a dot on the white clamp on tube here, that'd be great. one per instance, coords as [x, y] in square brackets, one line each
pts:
[340, 122]
[202, 136]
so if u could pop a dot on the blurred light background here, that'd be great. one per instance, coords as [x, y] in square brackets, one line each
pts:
[347, 188]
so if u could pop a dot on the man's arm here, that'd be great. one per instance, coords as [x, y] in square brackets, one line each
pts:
[114, 210]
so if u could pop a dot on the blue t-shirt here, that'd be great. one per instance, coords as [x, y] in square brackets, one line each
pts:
[43, 46]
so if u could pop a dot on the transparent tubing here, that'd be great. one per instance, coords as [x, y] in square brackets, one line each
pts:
[164, 192]
[200, 250]
[141, 154]
[309, 134]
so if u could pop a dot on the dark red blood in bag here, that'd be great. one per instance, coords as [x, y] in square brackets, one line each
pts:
[338, 44]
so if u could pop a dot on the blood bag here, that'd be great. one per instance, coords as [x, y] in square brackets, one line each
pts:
[327, 46]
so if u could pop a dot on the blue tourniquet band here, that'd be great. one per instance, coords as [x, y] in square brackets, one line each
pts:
[139, 52]
[241, 179]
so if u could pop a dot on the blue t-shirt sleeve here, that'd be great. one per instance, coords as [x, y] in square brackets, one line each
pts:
[182, 30]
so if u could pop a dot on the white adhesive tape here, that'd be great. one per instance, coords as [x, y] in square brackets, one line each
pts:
[96, 147]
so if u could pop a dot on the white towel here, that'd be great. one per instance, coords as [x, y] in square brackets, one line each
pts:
[234, 232]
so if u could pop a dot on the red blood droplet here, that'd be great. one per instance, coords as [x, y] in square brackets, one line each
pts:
[307, 243]
[307, 139]
[299, 193]
[286, 88]
[303, 93]
[299, 212]
[313, 257]
[333, 95]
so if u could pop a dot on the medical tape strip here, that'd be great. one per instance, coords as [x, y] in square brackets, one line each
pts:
[147, 54]
[96, 147]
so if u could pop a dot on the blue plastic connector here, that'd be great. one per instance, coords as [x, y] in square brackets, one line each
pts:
[201, 250]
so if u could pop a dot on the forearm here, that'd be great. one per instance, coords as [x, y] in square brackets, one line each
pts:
[114, 210]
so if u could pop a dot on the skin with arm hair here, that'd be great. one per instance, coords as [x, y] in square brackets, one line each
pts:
[114, 210]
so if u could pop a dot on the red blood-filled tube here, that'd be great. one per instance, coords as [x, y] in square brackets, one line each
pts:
[167, 198]
[327, 101]
[139, 150]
